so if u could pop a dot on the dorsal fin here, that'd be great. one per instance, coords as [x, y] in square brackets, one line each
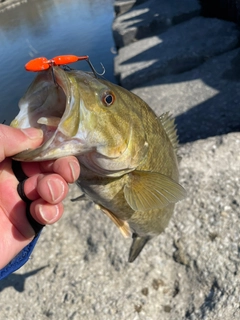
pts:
[169, 126]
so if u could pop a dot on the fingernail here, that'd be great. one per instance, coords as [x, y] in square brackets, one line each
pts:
[49, 213]
[74, 167]
[33, 133]
[56, 189]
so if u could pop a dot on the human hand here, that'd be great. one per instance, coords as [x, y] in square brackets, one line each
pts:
[46, 186]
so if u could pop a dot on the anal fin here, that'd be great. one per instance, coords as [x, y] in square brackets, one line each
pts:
[122, 225]
[137, 246]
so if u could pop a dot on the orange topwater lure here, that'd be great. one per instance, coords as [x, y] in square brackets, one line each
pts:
[42, 63]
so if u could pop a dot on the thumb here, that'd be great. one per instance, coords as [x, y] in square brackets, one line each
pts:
[13, 140]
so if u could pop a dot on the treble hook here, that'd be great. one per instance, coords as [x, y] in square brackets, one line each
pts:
[94, 70]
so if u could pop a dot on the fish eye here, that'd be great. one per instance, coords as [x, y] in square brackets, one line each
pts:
[108, 98]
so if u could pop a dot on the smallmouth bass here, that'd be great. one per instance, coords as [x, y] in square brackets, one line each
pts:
[128, 159]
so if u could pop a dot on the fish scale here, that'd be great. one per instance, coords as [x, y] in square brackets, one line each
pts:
[128, 158]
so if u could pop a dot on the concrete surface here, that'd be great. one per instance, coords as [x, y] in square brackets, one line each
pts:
[79, 268]
[149, 18]
[122, 6]
[179, 49]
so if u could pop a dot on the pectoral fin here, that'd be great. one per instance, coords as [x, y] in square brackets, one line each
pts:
[151, 190]
[122, 225]
[137, 246]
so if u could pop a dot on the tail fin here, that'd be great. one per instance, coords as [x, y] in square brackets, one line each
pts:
[137, 246]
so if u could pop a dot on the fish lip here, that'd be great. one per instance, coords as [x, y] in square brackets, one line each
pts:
[52, 79]
[55, 77]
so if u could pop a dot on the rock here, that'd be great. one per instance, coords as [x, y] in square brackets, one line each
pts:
[150, 18]
[205, 100]
[179, 49]
[223, 9]
[121, 6]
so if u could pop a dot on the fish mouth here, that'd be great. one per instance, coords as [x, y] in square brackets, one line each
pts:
[50, 104]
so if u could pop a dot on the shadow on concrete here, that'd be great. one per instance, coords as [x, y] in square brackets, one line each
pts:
[220, 114]
[221, 71]
[17, 281]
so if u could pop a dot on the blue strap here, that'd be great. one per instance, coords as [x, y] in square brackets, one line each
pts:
[19, 260]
